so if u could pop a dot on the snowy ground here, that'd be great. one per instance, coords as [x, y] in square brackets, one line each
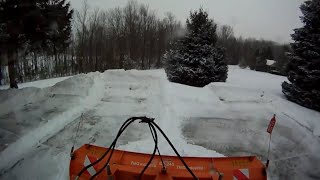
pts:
[37, 125]
[38, 84]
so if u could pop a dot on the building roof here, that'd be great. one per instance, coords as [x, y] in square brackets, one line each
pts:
[270, 62]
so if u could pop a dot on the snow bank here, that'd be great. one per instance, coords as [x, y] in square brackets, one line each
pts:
[87, 86]
[39, 84]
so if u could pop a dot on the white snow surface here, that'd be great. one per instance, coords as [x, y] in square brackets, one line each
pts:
[39, 84]
[39, 121]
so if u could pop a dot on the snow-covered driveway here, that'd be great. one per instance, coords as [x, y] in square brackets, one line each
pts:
[37, 126]
[105, 101]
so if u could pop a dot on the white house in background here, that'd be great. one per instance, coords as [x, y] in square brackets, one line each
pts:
[272, 68]
[270, 62]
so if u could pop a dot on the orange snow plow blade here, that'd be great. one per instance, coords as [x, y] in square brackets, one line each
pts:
[128, 165]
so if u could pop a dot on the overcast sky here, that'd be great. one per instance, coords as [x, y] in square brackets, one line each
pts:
[267, 19]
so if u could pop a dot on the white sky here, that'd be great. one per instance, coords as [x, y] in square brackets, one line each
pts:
[267, 19]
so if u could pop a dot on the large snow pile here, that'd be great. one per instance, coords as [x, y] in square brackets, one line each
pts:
[37, 126]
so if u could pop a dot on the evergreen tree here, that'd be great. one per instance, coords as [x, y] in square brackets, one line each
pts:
[58, 27]
[25, 22]
[304, 65]
[195, 59]
[281, 58]
[261, 61]
[262, 54]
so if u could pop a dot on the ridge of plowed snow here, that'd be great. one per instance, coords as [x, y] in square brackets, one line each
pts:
[15, 151]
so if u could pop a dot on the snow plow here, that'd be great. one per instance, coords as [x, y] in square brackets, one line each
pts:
[93, 162]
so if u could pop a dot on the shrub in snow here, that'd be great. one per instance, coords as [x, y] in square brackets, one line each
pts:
[128, 63]
[195, 59]
[304, 66]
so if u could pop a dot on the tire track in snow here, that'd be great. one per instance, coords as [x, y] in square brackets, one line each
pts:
[170, 122]
[153, 105]
[302, 125]
[173, 120]
[161, 108]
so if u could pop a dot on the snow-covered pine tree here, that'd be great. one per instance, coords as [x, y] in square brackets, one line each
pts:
[195, 59]
[304, 65]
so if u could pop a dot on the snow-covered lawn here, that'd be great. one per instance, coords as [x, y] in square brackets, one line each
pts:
[37, 126]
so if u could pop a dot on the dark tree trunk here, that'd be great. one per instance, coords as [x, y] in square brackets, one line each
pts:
[121, 60]
[55, 58]
[96, 64]
[143, 51]
[149, 62]
[1, 77]
[26, 69]
[11, 67]
[159, 57]
[20, 70]
[97, 60]
[80, 69]
[90, 62]
[35, 63]
[66, 65]
[72, 62]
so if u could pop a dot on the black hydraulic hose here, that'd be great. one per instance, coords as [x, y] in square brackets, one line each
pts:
[122, 128]
[163, 165]
[174, 149]
[153, 131]
[144, 120]
[112, 147]
[154, 150]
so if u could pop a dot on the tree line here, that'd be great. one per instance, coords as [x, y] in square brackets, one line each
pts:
[253, 53]
[128, 37]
